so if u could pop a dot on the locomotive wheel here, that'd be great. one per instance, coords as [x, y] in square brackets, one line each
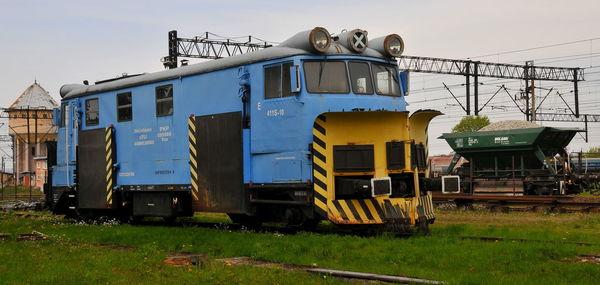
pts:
[169, 220]
[135, 220]
[310, 225]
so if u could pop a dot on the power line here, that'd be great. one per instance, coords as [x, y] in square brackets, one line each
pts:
[534, 48]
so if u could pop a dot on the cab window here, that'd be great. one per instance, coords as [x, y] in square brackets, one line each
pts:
[386, 80]
[164, 100]
[360, 76]
[124, 107]
[91, 112]
[326, 77]
[277, 81]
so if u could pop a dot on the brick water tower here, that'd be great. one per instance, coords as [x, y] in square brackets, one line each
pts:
[30, 126]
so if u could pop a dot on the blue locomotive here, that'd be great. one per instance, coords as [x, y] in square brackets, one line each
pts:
[313, 129]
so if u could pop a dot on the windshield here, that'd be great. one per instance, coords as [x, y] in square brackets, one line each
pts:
[326, 77]
[360, 76]
[386, 81]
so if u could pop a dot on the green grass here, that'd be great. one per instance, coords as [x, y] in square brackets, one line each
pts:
[443, 255]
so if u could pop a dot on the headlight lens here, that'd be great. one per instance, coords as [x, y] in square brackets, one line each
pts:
[394, 45]
[320, 39]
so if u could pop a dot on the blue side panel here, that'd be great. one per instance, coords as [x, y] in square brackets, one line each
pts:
[154, 150]
[63, 173]
[285, 167]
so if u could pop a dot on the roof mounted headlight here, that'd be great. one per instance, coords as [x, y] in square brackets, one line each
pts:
[390, 45]
[320, 39]
[394, 45]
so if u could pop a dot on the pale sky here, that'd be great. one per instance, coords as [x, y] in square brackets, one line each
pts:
[59, 42]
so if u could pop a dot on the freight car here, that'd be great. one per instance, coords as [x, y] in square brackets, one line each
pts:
[313, 129]
[505, 160]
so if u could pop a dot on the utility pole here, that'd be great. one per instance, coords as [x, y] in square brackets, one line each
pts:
[15, 163]
[532, 90]
[476, 87]
[468, 83]
[37, 146]
[2, 178]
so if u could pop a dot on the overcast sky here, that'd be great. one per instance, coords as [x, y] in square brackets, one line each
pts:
[59, 42]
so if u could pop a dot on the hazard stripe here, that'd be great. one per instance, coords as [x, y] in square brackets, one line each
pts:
[320, 202]
[319, 155]
[109, 163]
[377, 207]
[331, 207]
[319, 176]
[320, 197]
[320, 129]
[193, 156]
[319, 149]
[353, 204]
[321, 192]
[192, 124]
[366, 209]
[319, 168]
[319, 142]
[193, 164]
[372, 210]
[347, 210]
[351, 208]
[192, 137]
[338, 207]
[193, 149]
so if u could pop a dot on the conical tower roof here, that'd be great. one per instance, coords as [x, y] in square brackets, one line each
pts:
[34, 97]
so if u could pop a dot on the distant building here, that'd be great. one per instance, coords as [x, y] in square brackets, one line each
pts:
[438, 164]
[30, 126]
[6, 178]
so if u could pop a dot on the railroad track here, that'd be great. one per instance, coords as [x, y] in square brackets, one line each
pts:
[557, 204]
[12, 196]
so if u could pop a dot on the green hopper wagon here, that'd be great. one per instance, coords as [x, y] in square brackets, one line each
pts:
[514, 162]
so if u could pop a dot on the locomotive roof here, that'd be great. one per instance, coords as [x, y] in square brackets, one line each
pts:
[290, 47]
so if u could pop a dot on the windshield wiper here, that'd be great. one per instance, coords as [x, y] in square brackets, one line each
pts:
[321, 67]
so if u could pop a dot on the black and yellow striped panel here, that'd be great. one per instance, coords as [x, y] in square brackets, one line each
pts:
[360, 211]
[109, 156]
[193, 156]
[426, 202]
[320, 165]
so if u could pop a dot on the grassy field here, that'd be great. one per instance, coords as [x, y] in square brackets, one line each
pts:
[83, 253]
